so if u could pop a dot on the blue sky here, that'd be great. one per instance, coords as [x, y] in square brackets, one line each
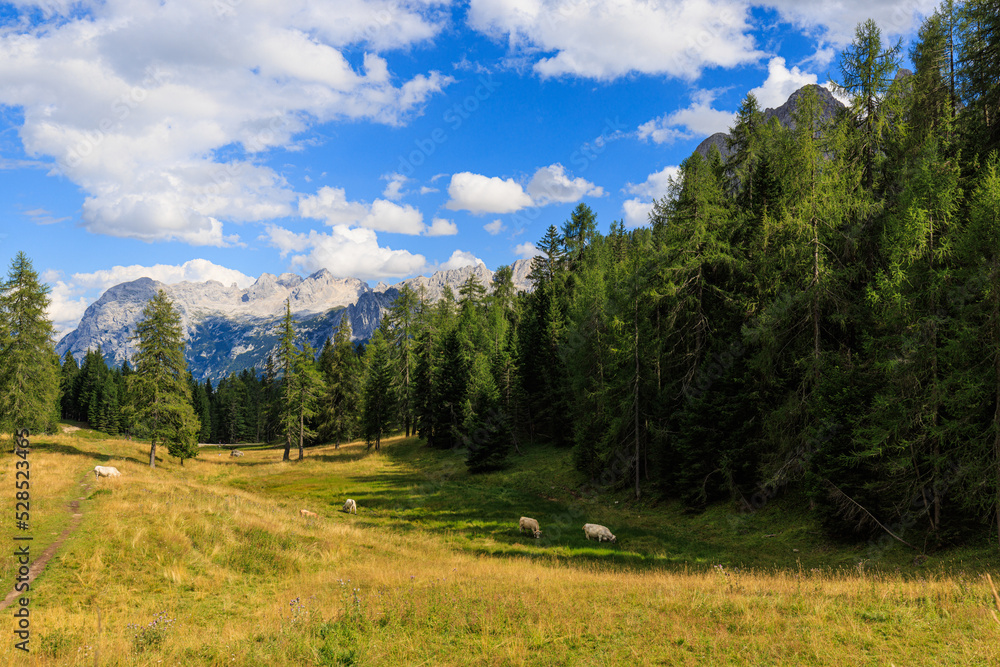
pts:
[380, 139]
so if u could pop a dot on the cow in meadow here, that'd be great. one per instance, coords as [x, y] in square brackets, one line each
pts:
[105, 471]
[595, 532]
[530, 525]
[350, 506]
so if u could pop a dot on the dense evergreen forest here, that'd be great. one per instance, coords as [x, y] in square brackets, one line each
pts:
[819, 313]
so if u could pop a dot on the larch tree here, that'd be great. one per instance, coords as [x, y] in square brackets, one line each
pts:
[158, 388]
[288, 412]
[308, 387]
[29, 366]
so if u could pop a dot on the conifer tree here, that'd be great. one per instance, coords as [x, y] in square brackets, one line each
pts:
[29, 366]
[340, 405]
[67, 378]
[982, 252]
[867, 70]
[378, 397]
[402, 322]
[159, 386]
[287, 405]
[308, 386]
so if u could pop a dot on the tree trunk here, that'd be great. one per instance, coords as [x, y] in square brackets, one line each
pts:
[152, 453]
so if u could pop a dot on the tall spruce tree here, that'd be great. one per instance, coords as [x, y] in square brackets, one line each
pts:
[159, 386]
[378, 396]
[29, 366]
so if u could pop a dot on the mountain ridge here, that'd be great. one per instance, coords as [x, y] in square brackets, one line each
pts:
[228, 329]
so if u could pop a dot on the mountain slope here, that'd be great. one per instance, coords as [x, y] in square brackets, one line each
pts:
[228, 329]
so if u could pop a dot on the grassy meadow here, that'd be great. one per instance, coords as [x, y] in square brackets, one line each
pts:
[211, 564]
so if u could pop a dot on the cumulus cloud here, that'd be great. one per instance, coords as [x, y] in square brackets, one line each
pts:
[552, 185]
[698, 119]
[780, 84]
[526, 250]
[483, 194]
[332, 206]
[549, 185]
[195, 270]
[394, 187]
[136, 102]
[655, 185]
[606, 39]
[836, 21]
[442, 227]
[345, 251]
[636, 212]
[494, 227]
[460, 259]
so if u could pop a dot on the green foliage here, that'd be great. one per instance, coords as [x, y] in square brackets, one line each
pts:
[378, 397]
[159, 391]
[29, 366]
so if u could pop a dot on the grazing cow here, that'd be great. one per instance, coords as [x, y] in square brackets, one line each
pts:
[350, 506]
[307, 514]
[599, 533]
[530, 525]
[105, 471]
[236, 452]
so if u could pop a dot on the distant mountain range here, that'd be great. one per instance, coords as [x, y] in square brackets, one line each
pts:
[228, 329]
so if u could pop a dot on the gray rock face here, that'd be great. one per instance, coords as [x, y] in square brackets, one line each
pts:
[829, 106]
[228, 329]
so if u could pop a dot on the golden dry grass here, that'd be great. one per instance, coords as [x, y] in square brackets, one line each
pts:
[245, 580]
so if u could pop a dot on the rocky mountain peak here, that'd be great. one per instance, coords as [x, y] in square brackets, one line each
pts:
[828, 104]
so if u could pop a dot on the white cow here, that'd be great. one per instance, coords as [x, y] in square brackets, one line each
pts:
[105, 471]
[236, 452]
[530, 525]
[350, 506]
[599, 533]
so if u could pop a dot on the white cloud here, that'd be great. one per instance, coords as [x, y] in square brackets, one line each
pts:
[836, 21]
[195, 270]
[345, 252]
[459, 259]
[332, 206]
[424, 190]
[661, 134]
[483, 194]
[699, 119]
[132, 100]
[636, 212]
[495, 227]
[606, 39]
[549, 185]
[442, 227]
[780, 84]
[655, 185]
[386, 216]
[394, 188]
[552, 185]
[527, 250]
